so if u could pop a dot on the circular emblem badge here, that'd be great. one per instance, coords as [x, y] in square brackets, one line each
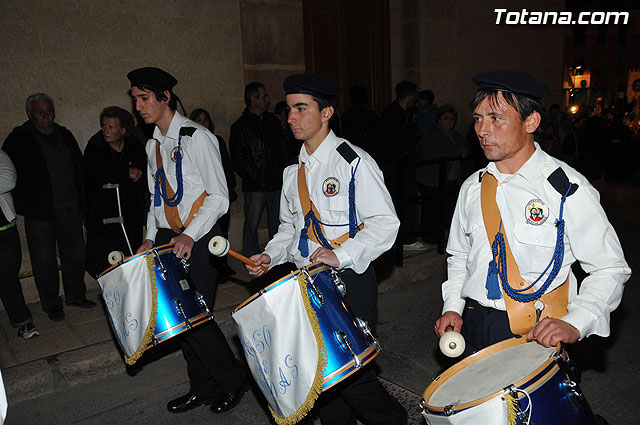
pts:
[174, 154]
[331, 187]
[536, 212]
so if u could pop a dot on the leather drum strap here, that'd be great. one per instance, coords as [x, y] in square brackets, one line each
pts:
[305, 202]
[522, 316]
[171, 213]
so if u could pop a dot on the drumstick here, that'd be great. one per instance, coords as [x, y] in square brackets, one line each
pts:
[451, 343]
[219, 247]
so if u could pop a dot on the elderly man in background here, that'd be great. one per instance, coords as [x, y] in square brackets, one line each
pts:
[49, 195]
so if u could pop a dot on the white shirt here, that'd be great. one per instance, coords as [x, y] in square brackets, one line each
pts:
[201, 171]
[589, 239]
[8, 179]
[373, 206]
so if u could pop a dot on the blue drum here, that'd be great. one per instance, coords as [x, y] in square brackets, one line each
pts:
[178, 306]
[348, 340]
[513, 379]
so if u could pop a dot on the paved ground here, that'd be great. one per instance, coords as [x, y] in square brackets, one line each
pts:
[87, 382]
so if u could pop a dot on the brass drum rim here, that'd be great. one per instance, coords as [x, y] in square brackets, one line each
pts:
[486, 352]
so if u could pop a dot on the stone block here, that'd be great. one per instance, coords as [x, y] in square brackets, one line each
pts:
[19, 32]
[28, 381]
[221, 9]
[272, 33]
[70, 84]
[94, 361]
[214, 79]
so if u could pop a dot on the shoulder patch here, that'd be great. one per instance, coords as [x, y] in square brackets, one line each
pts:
[560, 182]
[187, 131]
[347, 152]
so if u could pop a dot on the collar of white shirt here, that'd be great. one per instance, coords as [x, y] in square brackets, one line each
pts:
[322, 153]
[530, 170]
[174, 129]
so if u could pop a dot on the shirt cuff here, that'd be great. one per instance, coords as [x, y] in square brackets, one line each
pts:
[582, 320]
[343, 258]
[151, 234]
[454, 305]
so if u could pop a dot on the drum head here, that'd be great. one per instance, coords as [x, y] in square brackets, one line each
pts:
[487, 372]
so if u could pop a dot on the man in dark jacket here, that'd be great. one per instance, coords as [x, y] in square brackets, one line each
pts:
[258, 154]
[49, 195]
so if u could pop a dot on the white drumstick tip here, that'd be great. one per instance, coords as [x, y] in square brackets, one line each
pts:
[452, 344]
[218, 246]
[115, 257]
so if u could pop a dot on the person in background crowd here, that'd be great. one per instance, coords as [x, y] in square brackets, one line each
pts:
[113, 157]
[50, 195]
[11, 254]
[442, 141]
[257, 149]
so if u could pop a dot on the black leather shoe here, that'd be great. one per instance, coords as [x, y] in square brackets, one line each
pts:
[184, 403]
[83, 303]
[56, 314]
[227, 401]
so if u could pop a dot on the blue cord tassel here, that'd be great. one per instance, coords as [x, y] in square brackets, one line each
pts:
[157, 198]
[303, 242]
[492, 284]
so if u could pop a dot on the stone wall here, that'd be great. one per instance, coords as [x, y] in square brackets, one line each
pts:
[272, 42]
[79, 52]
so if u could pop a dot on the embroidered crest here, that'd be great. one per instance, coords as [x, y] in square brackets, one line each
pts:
[536, 212]
[174, 154]
[331, 187]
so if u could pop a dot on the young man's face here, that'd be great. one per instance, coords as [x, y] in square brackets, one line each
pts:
[305, 117]
[149, 108]
[502, 134]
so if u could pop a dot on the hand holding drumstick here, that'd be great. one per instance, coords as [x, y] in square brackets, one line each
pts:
[219, 247]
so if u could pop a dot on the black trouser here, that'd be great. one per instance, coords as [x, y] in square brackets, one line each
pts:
[10, 288]
[254, 204]
[361, 395]
[100, 244]
[211, 365]
[65, 231]
[483, 326]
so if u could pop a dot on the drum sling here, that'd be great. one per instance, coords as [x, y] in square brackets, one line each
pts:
[522, 315]
[307, 205]
[171, 212]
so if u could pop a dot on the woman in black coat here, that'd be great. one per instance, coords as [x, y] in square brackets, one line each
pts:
[114, 156]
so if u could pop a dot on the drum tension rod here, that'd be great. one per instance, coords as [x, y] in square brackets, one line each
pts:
[335, 277]
[203, 304]
[315, 293]
[163, 269]
[178, 304]
[366, 330]
[345, 344]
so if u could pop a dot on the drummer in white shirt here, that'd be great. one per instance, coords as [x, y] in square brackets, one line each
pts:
[192, 168]
[330, 164]
[534, 192]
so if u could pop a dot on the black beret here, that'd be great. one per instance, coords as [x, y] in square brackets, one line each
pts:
[310, 84]
[513, 81]
[152, 77]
